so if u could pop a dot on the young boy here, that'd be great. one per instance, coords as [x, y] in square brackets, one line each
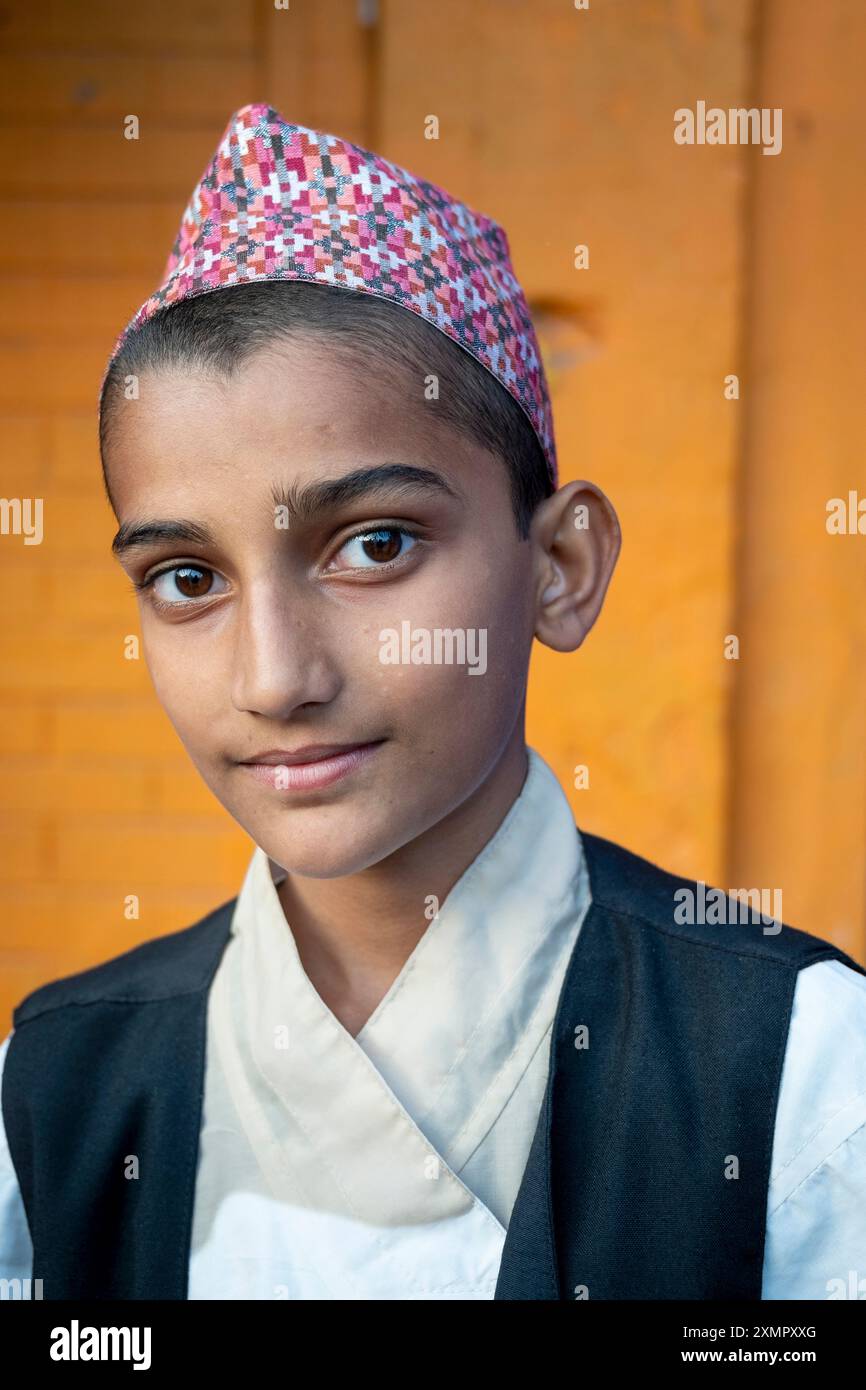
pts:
[442, 1045]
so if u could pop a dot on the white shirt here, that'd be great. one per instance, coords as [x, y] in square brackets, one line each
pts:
[386, 1166]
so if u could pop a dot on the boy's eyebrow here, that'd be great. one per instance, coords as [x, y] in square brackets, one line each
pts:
[305, 504]
[134, 533]
[302, 504]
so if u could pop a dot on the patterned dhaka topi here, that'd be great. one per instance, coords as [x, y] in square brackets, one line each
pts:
[282, 202]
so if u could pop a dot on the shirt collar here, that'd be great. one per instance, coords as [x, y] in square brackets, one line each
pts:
[476, 995]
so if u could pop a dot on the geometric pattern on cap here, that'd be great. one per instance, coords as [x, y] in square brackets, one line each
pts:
[282, 202]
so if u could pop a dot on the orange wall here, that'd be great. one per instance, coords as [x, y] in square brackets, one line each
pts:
[703, 261]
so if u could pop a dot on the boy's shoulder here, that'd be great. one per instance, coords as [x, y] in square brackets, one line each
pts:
[745, 920]
[180, 962]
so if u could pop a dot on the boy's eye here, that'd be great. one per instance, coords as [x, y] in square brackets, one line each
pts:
[377, 548]
[184, 583]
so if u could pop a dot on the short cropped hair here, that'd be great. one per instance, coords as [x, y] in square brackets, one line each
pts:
[220, 329]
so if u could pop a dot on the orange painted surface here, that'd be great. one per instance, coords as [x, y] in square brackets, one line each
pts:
[703, 261]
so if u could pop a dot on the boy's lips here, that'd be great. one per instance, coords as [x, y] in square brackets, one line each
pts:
[309, 768]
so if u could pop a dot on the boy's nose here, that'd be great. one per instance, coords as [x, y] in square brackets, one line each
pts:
[281, 657]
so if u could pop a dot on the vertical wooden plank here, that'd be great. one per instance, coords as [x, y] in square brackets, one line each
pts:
[798, 809]
[316, 65]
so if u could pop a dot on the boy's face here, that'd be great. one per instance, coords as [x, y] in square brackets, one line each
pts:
[263, 631]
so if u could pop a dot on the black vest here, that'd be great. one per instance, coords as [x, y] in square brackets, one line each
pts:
[627, 1192]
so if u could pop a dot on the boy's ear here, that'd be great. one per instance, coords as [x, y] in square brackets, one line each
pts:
[576, 538]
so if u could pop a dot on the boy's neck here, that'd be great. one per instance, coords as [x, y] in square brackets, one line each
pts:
[354, 934]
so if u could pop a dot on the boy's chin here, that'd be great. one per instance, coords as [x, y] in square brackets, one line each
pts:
[342, 846]
[326, 860]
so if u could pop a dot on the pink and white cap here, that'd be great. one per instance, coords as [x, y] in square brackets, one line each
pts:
[281, 202]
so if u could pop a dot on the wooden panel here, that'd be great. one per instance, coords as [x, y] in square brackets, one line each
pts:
[798, 813]
[316, 66]
[52, 306]
[72, 236]
[193, 28]
[163, 162]
[86, 89]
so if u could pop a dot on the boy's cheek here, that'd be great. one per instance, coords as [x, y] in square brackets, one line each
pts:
[407, 679]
